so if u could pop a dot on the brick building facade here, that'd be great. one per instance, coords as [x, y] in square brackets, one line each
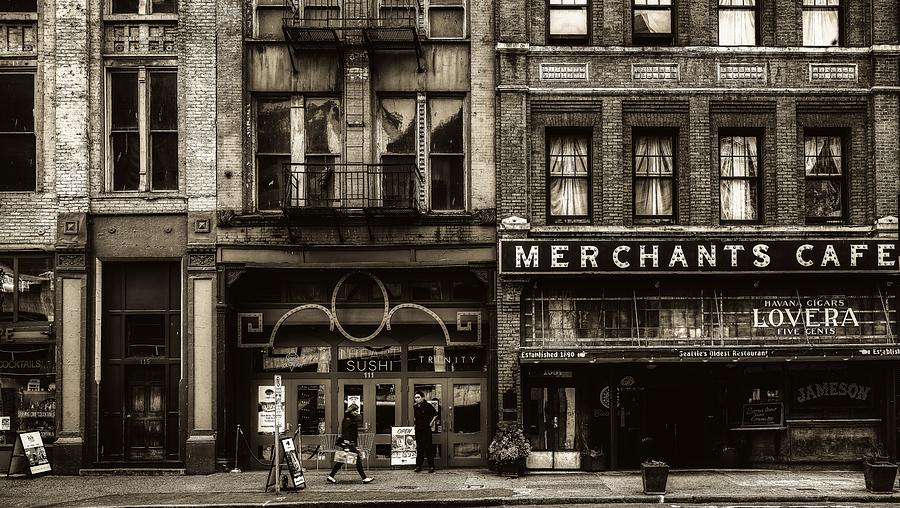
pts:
[649, 134]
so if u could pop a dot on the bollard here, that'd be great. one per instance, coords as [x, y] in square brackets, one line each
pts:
[237, 437]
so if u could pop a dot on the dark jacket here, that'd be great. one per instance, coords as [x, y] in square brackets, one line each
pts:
[422, 414]
[350, 429]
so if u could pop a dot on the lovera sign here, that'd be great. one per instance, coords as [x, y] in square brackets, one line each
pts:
[604, 256]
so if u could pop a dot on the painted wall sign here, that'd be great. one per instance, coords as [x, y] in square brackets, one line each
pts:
[832, 389]
[805, 316]
[590, 256]
[700, 354]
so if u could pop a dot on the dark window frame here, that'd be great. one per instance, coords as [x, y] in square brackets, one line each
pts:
[588, 133]
[34, 184]
[844, 135]
[16, 257]
[255, 147]
[840, 14]
[569, 40]
[148, 9]
[655, 39]
[465, 149]
[757, 15]
[759, 134]
[144, 74]
[636, 133]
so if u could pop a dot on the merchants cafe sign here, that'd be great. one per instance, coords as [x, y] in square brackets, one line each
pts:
[538, 256]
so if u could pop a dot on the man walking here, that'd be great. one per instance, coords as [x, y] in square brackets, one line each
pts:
[424, 415]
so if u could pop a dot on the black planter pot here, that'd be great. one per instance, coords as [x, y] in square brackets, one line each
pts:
[593, 463]
[880, 477]
[654, 477]
[512, 469]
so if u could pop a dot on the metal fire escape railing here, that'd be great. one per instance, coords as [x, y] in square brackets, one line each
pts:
[311, 25]
[382, 188]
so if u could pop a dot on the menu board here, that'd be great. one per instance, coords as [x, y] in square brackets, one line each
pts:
[293, 463]
[762, 414]
[29, 455]
[403, 446]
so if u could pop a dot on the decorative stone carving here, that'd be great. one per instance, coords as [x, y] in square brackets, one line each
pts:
[71, 261]
[202, 260]
[224, 217]
[18, 37]
[485, 216]
[140, 38]
[514, 223]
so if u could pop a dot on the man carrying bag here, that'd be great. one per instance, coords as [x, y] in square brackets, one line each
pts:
[347, 441]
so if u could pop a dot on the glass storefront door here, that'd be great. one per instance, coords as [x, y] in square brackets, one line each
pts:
[380, 409]
[550, 424]
[313, 417]
[459, 433]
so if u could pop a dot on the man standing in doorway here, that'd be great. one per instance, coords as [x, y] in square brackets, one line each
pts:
[425, 416]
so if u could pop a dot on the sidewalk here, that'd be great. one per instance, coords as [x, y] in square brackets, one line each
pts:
[455, 487]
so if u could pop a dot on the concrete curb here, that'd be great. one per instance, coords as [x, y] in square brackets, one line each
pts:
[527, 500]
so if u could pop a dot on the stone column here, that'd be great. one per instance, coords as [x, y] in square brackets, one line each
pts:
[71, 283]
[200, 361]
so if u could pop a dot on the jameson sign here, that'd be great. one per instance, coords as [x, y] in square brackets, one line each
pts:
[604, 256]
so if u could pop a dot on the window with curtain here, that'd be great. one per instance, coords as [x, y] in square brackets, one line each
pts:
[569, 179]
[567, 20]
[739, 177]
[821, 22]
[737, 22]
[823, 157]
[652, 22]
[654, 177]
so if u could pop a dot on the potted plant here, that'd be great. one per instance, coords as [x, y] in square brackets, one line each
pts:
[654, 474]
[592, 458]
[879, 472]
[509, 449]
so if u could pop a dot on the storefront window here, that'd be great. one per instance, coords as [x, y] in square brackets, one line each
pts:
[731, 315]
[369, 359]
[298, 359]
[27, 392]
[445, 359]
[26, 289]
[310, 415]
[833, 392]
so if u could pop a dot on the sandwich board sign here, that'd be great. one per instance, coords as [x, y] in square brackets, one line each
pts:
[29, 455]
[403, 446]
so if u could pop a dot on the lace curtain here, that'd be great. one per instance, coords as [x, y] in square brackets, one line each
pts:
[737, 27]
[654, 169]
[820, 27]
[568, 175]
[738, 168]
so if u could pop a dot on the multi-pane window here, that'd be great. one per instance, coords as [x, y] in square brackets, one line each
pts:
[737, 22]
[143, 129]
[447, 158]
[568, 163]
[823, 156]
[273, 149]
[280, 140]
[654, 176]
[148, 7]
[446, 18]
[739, 175]
[821, 22]
[18, 5]
[567, 20]
[324, 138]
[652, 22]
[397, 149]
[18, 171]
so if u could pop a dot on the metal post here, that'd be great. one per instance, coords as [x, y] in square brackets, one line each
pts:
[277, 454]
[237, 437]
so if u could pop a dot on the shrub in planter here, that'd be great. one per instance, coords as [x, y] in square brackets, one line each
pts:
[509, 449]
[654, 475]
[879, 472]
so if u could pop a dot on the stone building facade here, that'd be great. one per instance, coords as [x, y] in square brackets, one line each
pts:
[638, 140]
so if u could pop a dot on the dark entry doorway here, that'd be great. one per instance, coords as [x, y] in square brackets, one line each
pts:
[140, 362]
[551, 422]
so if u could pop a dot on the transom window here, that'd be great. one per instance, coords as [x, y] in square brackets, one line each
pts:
[18, 5]
[567, 20]
[652, 22]
[823, 155]
[18, 169]
[737, 22]
[821, 22]
[143, 7]
[739, 174]
[568, 163]
[143, 129]
[654, 176]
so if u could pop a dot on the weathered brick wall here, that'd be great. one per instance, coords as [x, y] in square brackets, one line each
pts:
[197, 75]
[482, 118]
[229, 104]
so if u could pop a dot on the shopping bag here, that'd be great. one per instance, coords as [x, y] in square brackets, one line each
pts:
[345, 457]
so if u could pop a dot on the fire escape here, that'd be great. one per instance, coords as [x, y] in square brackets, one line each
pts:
[324, 190]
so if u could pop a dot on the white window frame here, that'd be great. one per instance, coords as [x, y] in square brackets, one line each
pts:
[466, 150]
